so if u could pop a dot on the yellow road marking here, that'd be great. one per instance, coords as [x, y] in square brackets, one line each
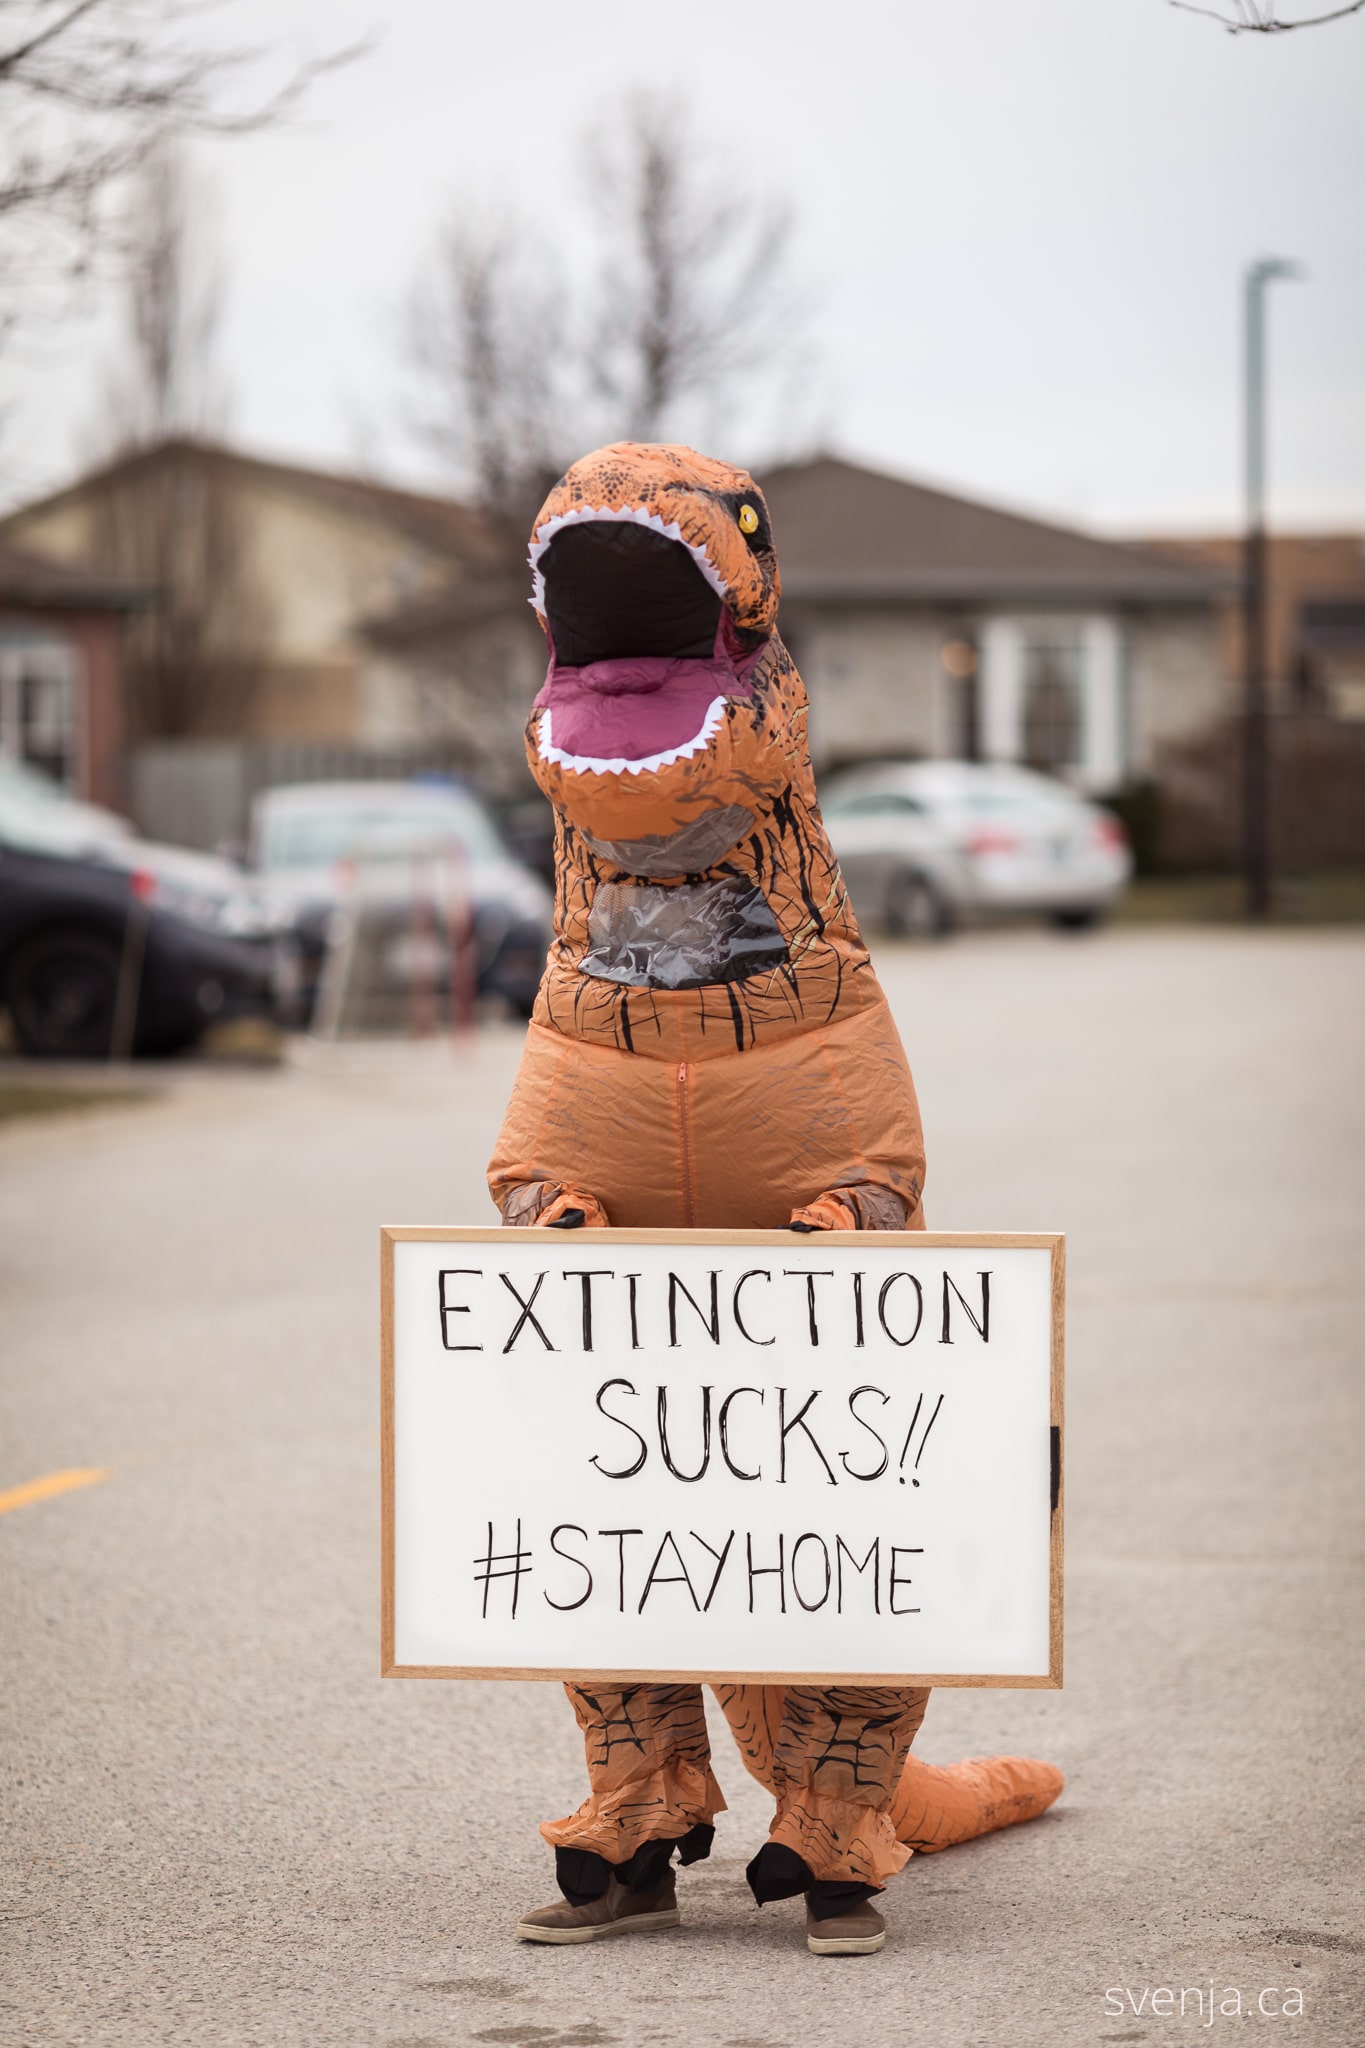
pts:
[52, 1482]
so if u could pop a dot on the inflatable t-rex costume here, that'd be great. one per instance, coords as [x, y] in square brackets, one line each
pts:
[711, 1048]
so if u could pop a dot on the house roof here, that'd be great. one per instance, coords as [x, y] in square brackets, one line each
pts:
[451, 610]
[847, 534]
[30, 582]
[850, 535]
[440, 523]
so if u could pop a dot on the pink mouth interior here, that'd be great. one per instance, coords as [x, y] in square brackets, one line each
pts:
[640, 705]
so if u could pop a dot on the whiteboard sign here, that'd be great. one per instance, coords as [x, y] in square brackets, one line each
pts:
[722, 1455]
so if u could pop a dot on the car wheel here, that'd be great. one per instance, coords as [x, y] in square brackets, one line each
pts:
[1076, 920]
[915, 909]
[61, 990]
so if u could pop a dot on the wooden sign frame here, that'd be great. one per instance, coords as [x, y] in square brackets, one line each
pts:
[1053, 1242]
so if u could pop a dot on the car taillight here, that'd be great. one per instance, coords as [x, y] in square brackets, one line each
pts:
[1110, 833]
[990, 840]
[142, 883]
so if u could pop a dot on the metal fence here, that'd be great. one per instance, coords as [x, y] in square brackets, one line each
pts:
[1317, 795]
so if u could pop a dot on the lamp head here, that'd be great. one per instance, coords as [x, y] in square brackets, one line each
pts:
[1266, 269]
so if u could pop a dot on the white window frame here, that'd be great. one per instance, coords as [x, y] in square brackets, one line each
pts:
[21, 654]
[1004, 641]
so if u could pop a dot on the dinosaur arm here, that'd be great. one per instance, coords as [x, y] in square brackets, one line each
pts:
[546, 1204]
[872, 1206]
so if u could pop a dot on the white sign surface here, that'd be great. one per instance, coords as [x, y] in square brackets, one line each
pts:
[722, 1454]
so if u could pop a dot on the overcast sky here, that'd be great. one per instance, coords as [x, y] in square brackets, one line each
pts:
[1022, 224]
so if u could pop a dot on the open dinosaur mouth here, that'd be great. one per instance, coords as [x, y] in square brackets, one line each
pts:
[640, 667]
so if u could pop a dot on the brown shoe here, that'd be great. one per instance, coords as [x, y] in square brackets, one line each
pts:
[860, 1931]
[616, 1912]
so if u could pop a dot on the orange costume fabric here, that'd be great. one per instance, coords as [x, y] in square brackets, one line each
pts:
[711, 1048]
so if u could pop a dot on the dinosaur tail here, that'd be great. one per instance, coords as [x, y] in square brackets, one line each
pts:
[937, 1805]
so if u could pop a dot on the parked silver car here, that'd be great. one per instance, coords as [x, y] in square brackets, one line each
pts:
[401, 860]
[926, 844]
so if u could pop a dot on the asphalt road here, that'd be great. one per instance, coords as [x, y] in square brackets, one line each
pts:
[223, 1827]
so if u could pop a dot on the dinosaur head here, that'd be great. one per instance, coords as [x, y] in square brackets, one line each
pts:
[657, 585]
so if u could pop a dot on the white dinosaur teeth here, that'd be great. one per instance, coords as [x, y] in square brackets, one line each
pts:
[581, 764]
[638, 516]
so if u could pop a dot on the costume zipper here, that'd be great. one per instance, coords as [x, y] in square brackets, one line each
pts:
[685, 1147]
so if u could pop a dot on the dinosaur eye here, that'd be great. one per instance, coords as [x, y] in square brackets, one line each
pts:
[748, 519]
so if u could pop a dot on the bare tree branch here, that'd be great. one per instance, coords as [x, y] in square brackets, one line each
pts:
[686, 313]
[86, 89]
[168, 513]
[167, 384]
[484, 338]
[692, 291]
[1259, 17]
[19, 53]
[173, 520]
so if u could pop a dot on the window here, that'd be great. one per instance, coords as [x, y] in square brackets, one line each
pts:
[1054, 724]
[38, 706]
[1053, 693]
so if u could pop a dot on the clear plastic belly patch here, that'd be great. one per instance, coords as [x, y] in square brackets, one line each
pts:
[689, 936]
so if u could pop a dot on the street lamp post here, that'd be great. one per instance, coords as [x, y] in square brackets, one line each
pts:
[1256, 846]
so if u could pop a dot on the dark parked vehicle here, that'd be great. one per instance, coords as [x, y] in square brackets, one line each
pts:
[105, 937]
[408, 866]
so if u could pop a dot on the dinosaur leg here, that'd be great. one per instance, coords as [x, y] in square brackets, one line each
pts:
[933, 1805]
[832, 1757]
[754, 1713]
[652, 1791]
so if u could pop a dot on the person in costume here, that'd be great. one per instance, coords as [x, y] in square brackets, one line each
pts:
[711, 1049]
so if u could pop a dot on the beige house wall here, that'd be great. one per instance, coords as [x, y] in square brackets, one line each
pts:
[301, 700]
[309, 571]
[320, 569]
[1176, 685]
[875, 680]
[878, 686]
[63, 531]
